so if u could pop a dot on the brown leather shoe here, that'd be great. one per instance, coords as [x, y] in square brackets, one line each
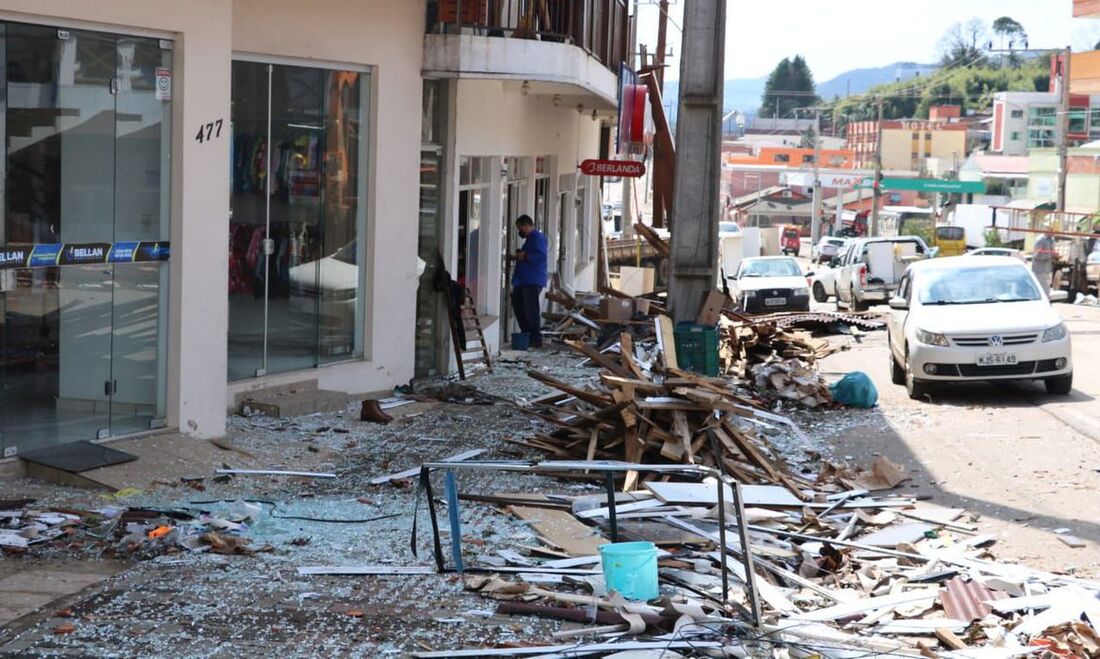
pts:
[373, 412]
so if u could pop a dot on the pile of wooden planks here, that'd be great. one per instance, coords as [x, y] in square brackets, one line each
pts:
[644, 412]
[745, 343]
[594, 315]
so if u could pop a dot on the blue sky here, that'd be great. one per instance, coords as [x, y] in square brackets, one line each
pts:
[842, 35]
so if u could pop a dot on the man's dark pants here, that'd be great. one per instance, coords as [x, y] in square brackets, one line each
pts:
[525, 302]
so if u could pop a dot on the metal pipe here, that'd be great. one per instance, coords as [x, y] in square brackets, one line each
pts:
[609, 481]
[451, 490]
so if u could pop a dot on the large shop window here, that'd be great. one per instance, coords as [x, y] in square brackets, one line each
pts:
[83, 287]
[299, 214]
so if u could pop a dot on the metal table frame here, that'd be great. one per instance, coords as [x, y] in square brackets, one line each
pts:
[609, 468]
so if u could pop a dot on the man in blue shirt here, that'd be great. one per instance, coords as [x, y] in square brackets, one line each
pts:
[529, 279]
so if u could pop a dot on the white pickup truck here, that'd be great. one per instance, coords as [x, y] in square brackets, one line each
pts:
[869, 270]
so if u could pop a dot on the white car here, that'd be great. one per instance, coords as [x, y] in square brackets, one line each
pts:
[824, 283]
[765, 284]
[996, 251]
[827, 248]
[961, 319]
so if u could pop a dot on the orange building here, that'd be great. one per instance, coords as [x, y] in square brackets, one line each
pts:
[793, 157]
[1086, 8]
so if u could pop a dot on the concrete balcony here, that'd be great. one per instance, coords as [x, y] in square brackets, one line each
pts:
[548, 67]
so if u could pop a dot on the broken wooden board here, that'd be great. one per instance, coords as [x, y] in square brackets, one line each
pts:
[712, 309]
[562, 530]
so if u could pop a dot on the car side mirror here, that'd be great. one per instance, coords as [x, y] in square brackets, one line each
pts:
[899, 303]
[834, 262]
[1058, 296]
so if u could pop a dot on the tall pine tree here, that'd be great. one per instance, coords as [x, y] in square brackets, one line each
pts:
[790, 86]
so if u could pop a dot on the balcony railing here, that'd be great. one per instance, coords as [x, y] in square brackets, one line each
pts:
[600, 27]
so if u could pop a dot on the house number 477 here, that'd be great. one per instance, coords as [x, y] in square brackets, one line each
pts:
[209, 131]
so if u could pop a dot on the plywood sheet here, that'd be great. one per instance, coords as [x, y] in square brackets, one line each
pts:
[562, 530]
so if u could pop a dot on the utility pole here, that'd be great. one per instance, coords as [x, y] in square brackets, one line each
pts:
[1063, 126]
[815, 219]
[696, 206]
[877, 189]
[660, 204]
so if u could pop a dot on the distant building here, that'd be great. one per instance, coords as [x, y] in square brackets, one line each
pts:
[1029, 120]
[908, 143]
[1086, 8]
[792, 157]
[775, 126]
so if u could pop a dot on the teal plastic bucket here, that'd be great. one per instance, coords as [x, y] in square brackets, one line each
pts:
[630, 569]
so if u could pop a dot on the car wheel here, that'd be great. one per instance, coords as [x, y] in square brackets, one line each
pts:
[897, 373]
[857, 304]
[1059, 386]
[819, 292]
[917, 389]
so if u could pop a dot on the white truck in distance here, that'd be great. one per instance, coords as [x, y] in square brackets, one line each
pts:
[869, 270]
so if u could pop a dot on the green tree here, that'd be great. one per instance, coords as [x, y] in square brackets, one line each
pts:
[964, 44]
[1007, 28]
[789, 86]
[1010, 30]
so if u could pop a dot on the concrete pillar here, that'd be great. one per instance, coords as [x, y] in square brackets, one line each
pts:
[696, 201]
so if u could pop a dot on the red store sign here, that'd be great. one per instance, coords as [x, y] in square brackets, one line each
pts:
[628, 168]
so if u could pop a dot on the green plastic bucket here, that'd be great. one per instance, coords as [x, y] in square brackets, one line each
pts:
[630, 569]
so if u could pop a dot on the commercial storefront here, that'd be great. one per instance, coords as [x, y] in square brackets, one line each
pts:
[198, 201]
[86, 120]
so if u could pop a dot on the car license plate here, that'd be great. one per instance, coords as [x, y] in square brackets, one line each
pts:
[997, 359]
[775, 301]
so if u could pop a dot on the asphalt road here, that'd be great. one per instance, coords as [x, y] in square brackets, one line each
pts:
[1026, 462]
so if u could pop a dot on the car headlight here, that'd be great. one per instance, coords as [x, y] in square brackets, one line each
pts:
[748, 293]
[1056, 333]
[932, 339]
[801, 291]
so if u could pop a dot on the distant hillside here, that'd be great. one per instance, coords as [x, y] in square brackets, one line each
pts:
[860, 80]
[744, 93]
[740, 94]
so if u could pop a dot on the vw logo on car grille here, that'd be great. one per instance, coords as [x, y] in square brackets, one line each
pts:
[996, 340]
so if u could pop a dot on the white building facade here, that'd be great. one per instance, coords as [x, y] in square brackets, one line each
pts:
[209, 198]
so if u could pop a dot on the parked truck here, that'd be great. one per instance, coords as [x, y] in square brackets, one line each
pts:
[870, 269]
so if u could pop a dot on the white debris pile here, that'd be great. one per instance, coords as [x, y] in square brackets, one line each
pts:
[794, 380]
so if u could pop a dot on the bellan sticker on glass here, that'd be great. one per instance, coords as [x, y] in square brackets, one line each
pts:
[13, 257]
[164, 84]
[86, 253]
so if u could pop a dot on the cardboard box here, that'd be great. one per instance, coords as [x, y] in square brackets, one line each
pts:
[616, 309]
[635, 281]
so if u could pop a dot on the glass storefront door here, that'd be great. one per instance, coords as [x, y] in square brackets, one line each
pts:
[85, 172]
[298, 203]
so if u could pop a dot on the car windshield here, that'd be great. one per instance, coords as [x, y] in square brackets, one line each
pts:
[978, 285]
[771, 268]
